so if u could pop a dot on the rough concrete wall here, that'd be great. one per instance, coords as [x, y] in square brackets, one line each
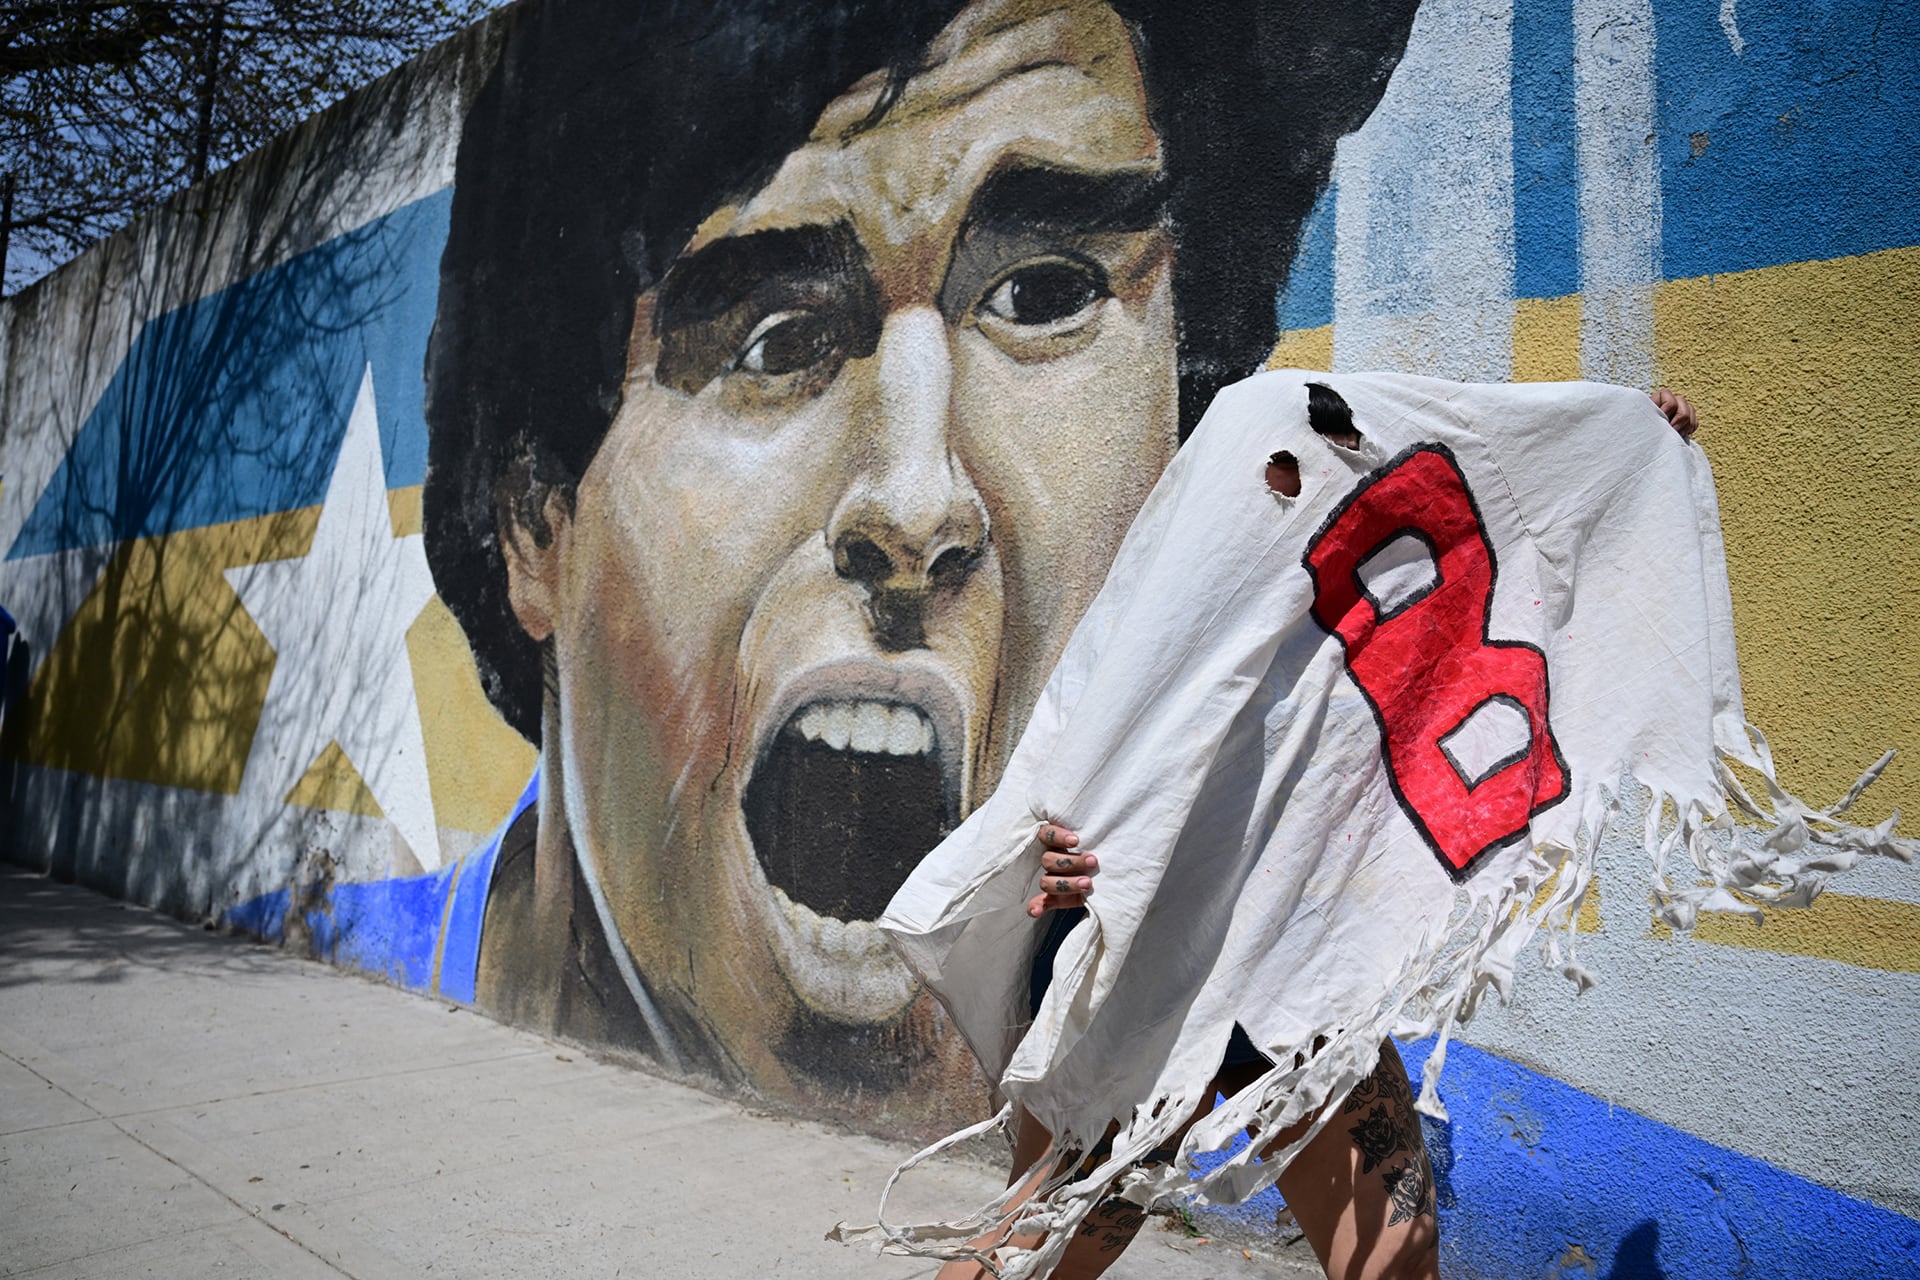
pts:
[1732, 182]
[303, 623]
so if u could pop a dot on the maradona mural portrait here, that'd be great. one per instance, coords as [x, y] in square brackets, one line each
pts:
[795, 376]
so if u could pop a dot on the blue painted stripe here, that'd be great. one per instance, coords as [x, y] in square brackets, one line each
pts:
[385, 927]
[1804, 146]
[1528, 1167]
[1533, 1166]
[393, 928]
[460, 949]
[1546, 176]
[1307, 300]
[264, 917]
[234, 406]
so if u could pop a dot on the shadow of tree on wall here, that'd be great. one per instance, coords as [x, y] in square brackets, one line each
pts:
[248, 321]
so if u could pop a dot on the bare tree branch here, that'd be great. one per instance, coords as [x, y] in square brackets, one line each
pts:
[108, 106]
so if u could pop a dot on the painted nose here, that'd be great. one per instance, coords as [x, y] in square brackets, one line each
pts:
[910, 520]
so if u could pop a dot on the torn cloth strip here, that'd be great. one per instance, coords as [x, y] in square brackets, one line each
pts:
[1343, 755]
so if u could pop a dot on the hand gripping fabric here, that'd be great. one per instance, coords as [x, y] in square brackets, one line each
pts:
[1342, 756]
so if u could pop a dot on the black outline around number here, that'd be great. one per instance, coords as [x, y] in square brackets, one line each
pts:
[1460, 874]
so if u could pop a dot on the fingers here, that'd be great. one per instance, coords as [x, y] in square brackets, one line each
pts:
[1678, 409]
[1068, 864]
[1054, 836]
[1056, 851]
[1057, 855]
[1066, 876]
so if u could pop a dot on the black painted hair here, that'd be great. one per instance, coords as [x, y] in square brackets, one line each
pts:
[1328, 412]
[608, 129]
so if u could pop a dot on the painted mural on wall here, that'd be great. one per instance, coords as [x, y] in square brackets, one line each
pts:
[770, 499]
[567, 530]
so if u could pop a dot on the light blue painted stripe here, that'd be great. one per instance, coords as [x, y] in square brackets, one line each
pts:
[1805, 145]
[234, 406]
[460, 950]
[1546, 190]
[1307, 300]
[1529, 1167]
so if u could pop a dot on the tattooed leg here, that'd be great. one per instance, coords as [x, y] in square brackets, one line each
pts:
[1362, 1190]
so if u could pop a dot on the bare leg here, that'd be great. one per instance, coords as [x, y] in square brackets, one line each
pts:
[1362, 1190]
[1029, 1143]
[1105, 1234]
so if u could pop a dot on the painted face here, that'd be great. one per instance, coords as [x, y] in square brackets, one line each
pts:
[885, 424]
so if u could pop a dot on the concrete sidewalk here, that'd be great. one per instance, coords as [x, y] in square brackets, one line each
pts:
[174, 1103]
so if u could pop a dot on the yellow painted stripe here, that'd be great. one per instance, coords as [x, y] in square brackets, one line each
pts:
[1304, 349]
[476, 765]
[403, 510]
[1869, 933]
[1805, 376]
[161, 674]
[331, 782]
[1546, 339]
[1588, 921]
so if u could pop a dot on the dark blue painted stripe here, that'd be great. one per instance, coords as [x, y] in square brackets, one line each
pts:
[1546, 177]
[1533, 1166]
[235, 405]
[1805, 146]
[394, 927]
[460, 950]
[264, 917]
[385, 927]
[1307, 300]
[1527, 1168]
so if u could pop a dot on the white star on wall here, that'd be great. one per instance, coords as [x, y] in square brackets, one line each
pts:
[337, 619]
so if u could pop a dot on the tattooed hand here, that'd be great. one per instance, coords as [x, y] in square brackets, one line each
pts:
[1066, 876]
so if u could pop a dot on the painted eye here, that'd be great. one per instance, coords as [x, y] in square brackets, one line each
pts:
[1046, 293]
[786, 342]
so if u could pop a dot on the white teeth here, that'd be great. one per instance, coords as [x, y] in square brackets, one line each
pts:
[871, 722]
[903, 732]
[874, 727]
[842, 968]
[828, 722]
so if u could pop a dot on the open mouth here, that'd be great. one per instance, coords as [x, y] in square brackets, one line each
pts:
[848, 796]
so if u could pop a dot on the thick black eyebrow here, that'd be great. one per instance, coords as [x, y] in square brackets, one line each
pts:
[1043, 198]
[706, 283]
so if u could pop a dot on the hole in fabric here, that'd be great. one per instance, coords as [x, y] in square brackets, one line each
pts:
[1494, 735]
[1329, 414]
[1283, 474]
[1398, 574]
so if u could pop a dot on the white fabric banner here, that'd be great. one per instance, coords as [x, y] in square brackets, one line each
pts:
[1341, 755]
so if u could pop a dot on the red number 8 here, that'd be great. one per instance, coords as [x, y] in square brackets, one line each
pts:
[1427, 665]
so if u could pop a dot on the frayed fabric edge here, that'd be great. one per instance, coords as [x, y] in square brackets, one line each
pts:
[1782, 855]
